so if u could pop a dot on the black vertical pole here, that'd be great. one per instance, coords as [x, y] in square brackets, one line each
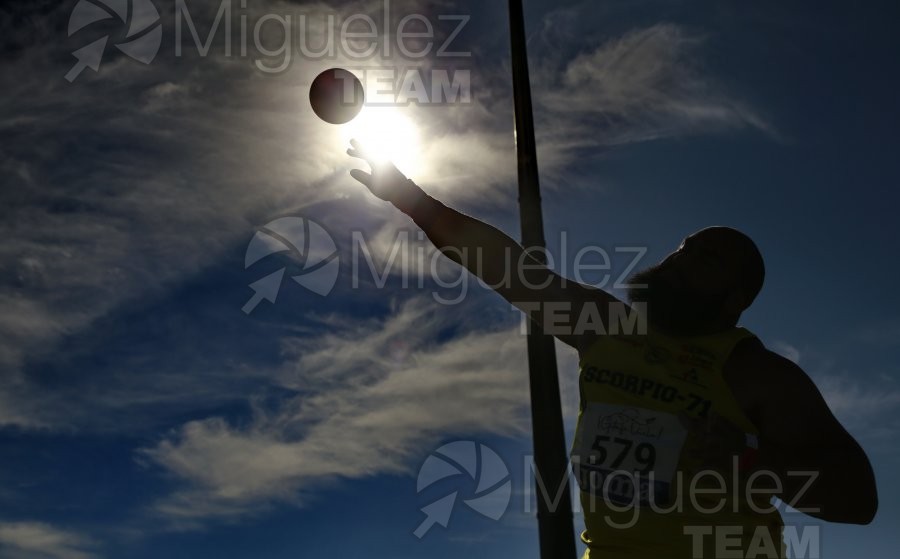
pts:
[554, 505]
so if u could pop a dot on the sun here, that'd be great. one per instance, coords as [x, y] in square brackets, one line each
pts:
[389, 135]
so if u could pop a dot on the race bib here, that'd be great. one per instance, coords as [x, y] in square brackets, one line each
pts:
[627, 454]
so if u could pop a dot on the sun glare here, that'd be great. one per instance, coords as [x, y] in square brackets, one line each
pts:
[389, 135]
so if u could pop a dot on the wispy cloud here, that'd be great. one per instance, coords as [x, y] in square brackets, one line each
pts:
[124, 184]
[36, 540]
[372, 398]
[646, 84]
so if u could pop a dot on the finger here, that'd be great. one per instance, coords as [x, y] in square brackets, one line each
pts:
[362, 176]
[360, 150]
[356, 153]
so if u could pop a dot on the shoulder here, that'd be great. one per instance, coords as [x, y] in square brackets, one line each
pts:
[751, 357]
[756, 374]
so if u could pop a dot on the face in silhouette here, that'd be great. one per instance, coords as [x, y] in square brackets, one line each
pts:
[703, 286]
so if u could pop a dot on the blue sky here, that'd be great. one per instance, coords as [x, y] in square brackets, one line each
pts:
[143, 414]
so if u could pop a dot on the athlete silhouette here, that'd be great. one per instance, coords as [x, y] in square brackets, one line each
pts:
[686, 428]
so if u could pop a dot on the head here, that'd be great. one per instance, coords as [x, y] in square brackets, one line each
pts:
[702, 287]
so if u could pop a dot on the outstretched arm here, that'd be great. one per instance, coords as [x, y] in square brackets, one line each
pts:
[550, 300]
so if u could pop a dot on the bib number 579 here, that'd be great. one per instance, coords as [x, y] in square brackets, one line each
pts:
[618, 449]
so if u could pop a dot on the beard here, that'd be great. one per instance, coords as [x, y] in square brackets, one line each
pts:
[678, 310]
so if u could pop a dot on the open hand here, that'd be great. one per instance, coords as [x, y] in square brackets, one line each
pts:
[385, 180]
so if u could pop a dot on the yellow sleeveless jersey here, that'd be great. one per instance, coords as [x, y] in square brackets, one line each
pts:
[640, 492]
